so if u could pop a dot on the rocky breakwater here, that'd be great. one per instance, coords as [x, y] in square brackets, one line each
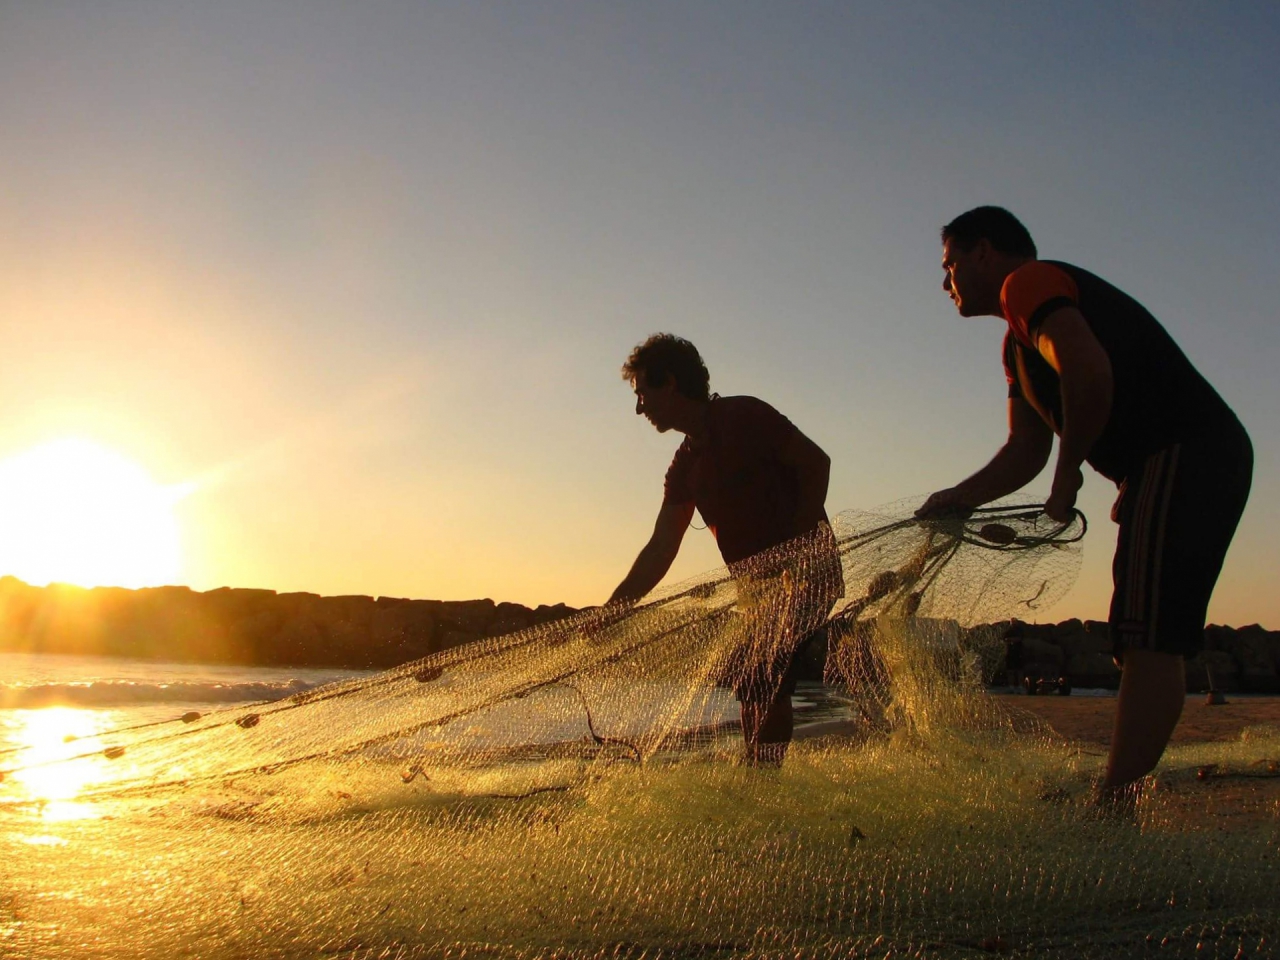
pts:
[1237, 659]
[248, 627]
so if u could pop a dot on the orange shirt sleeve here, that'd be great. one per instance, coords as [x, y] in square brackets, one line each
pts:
[1031, 293]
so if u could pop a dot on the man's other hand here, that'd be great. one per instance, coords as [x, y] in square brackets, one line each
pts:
[951, 500]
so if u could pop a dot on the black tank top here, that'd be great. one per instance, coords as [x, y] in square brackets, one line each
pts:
[1158, 398]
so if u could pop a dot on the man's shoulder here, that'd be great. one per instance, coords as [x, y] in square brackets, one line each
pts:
[1032, 292]
[1088, 283]
[749, 421]
[1101, 300]
[743, 406]
[1071, 269]
[1034, 281]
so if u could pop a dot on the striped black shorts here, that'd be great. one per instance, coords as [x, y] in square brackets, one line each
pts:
[1177, 514]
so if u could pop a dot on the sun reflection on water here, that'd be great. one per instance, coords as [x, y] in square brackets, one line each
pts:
[49, 735]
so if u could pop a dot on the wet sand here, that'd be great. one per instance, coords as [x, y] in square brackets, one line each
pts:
[1088, 719]
[1193, 795]
[1193, 798]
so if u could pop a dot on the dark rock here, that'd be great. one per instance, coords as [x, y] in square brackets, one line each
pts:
[296, 643]
[1216, 637]
[468, 616]
[454, 638]
[236, 600]
[1038, 631]
[1197, 675]
[258, 629]
[1225, 672]
[353, 611]
[295, 604]
[232, 625]
[1076, 639]
[547, 614]
[1251, 648]
[1093, 669]
[509, 618]
[1067, 628]
[409, 623]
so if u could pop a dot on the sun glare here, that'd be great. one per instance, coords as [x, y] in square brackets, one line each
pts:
[72, 511]
[50, 735]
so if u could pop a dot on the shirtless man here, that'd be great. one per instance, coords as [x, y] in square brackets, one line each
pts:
[1085, 361]
[758, 482]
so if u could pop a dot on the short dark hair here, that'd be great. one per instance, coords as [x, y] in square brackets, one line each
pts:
[998, 226]
[665, 355]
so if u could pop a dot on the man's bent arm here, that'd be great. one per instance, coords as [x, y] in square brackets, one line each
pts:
[1066, 341]
[658, 554]
[1016, 464]
[812, 467]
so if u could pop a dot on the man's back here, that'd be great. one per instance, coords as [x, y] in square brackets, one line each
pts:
[747, 495]
[1160, 398]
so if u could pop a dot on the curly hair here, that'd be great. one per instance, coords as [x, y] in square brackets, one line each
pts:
[665, 355]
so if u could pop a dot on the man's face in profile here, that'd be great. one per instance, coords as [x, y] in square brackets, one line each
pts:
[965, 278]
[654, 403]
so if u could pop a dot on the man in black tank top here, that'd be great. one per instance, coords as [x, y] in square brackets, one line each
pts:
[1088, 362]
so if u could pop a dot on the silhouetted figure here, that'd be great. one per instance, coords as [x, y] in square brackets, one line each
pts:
[1088, 362]
[758, 482]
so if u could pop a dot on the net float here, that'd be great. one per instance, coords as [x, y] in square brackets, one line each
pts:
[881, 584]
[998, 533]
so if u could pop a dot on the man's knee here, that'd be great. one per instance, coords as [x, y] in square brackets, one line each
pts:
[1153, 664]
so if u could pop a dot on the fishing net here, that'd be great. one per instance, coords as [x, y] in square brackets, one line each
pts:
[583, 788]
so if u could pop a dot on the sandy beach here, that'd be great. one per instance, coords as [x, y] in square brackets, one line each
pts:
[1198, 791]
[1088, 719]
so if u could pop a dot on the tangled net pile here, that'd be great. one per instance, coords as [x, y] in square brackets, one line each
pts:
[571, 791]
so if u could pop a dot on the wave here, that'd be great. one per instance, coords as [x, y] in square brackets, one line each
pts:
[110, 693]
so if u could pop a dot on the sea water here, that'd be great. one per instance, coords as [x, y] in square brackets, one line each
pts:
[46, 699]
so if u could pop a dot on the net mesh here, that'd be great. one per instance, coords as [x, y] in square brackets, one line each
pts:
[577, 789]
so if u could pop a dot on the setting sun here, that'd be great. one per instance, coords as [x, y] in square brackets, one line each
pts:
[72, 511]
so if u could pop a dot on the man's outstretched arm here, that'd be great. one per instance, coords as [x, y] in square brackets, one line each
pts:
[1067, 342]
[658, 554]
[1017, 463]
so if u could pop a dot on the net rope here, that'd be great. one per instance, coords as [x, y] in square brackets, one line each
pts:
[577, 790]
[637, 677]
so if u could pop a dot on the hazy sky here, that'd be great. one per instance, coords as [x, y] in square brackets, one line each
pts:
[364, 273]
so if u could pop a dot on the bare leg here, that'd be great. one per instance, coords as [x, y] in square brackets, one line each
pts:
[750, 725]
[1153, 689]
[767, 729]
